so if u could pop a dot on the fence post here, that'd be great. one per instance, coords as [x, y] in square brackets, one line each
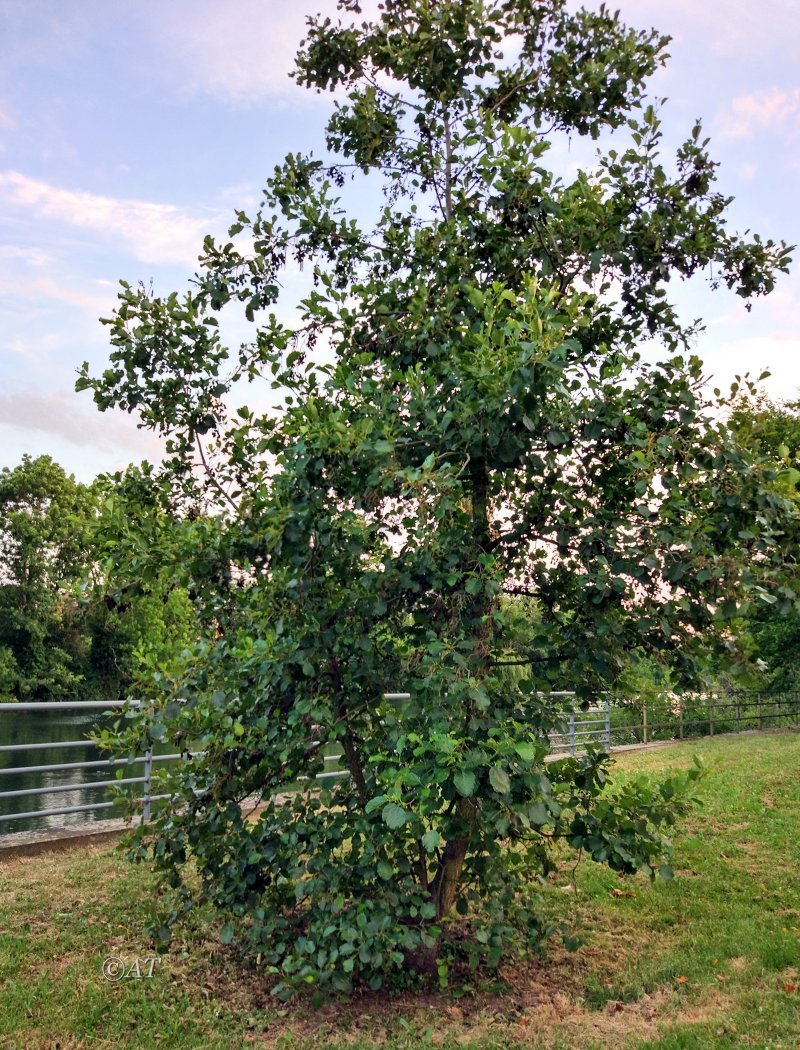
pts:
[711, 716]
[572, 732]
[680, 717]
[608, 723]
[644, 721]
[148, 769]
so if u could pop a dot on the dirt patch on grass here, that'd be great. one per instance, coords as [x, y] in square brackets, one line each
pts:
[539, 1002]
[36, 1040]
[542, 1000]
[613, 1026]
[532, 1014]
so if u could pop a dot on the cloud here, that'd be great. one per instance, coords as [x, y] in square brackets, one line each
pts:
[40, 288]
[776, 109]
[70, 418]
[776, 353]
[25, 255]
[735, 29]
[155, 233]
[769, 337]
[778, 314]
[6, 120]
[36, 351]
[239, 52]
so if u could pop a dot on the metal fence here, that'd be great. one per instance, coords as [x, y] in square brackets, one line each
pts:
[143, 782]
[582, 727]
[669, 716]
[613, 723]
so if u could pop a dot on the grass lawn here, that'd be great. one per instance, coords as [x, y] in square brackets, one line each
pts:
[708, 961]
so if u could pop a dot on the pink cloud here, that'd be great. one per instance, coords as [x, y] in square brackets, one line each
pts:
[775, 108]
[74, 419]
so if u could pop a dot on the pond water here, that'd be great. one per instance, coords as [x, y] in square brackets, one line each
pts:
[59, 730]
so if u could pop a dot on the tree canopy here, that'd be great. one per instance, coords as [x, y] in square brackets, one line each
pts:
[44, 515]
[67, 631]
[769, 631]
[487, 398]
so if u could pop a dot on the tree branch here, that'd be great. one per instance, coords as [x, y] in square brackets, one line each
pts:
[210, 474]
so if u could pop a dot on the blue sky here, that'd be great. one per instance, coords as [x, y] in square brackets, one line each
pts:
[129, 131]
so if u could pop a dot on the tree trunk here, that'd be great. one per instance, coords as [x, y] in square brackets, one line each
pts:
[447, 881]
[444, 888]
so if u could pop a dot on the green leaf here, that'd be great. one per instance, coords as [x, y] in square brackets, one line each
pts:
[538, 813]
[499, 780]
[164, 934]
[395, 816]
[465, 782]
[527, 752]
[431, 840]
[374, 803]
[226, 933]
[385, 870]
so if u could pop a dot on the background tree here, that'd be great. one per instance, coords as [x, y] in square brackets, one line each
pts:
[44, 515]
[466, 417]
[769, 630]
[137, 621]
[66, 630]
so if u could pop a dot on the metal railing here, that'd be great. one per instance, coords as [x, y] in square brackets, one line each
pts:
[145, 798]
[591, 725]
[145, 780]
[611, 724]
[583, 727]
[669, 716]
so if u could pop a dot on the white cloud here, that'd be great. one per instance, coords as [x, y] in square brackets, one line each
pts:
[775, 109]
[6, 120]
[154, 232]
[37, 351]
[34, 258]
[240, 52]
[74, 419]
[39, 288]
[735, 29]
[768, 337]
[777, 353]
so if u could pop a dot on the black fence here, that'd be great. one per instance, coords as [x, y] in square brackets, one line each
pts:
[669, 716]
